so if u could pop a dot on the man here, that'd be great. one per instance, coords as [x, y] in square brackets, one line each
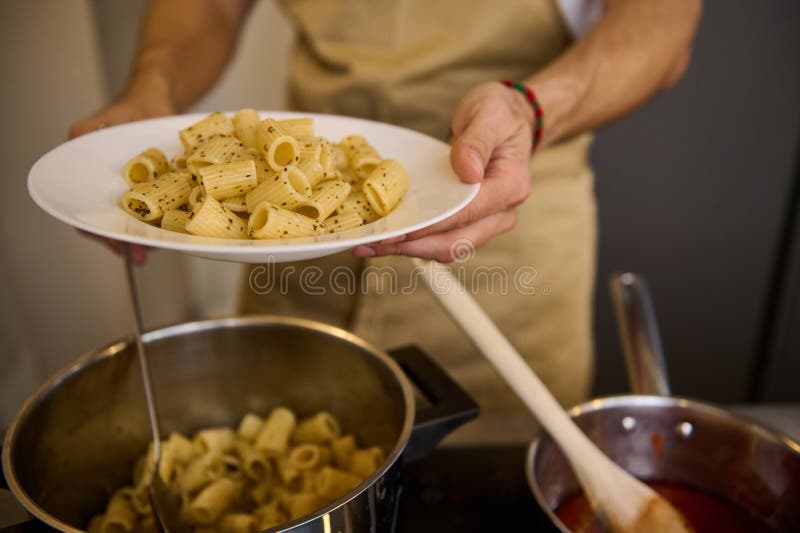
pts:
[434, 66]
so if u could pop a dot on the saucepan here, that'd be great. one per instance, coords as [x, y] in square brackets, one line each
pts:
[77, 438]
[720, 457]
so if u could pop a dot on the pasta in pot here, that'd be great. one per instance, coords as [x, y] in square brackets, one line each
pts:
[266, 471]
[248, 167]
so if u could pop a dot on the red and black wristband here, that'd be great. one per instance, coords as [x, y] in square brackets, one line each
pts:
[538, 114]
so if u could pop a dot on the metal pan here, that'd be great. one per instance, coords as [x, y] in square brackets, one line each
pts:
[77, 438]
[657, 437]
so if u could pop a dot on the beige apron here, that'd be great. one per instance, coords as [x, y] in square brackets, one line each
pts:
[408, 62]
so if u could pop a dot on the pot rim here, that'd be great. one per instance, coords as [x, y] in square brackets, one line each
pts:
[116, 347]
[607, 402]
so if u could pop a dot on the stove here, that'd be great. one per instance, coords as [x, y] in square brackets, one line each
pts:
[479, 489]
[467, 490]
[470, 490]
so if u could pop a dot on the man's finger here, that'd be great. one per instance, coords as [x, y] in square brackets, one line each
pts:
[445, 247]
[473, 148]
[507, 183]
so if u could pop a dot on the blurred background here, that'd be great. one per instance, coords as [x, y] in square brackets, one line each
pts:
[699, 191]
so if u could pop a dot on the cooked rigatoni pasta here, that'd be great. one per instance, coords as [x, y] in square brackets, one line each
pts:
[340, 161]
[214, 440]
[364, 462]
[196, 197]
[178, 162]
[267, 179]
[312, 170]
[357, 203]
[214, 125]
[342, 449]
[325, 199]
[278, 148]
[145, 167]
[332, 481]
[228, 179]
[248, 479]
[318, 149]
[304, 503]
[272, 222]
[223, 149]
[245, 124]
[386, 185]
[213, 220]
[308, 457]
[263, 172]
[273, 439]
[120, 514]
[361, 156]
[254, 463]
[320, 428]
[250, 427]
[297, 127]
[342, 222]
[287, 190]
[200, 471]
[350, 177]
[270, 515]
[237, 204]
[181, 446]
[149, 200]
[212, 501]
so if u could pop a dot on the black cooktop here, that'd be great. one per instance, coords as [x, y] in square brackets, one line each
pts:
[469, 490]
[476, 489]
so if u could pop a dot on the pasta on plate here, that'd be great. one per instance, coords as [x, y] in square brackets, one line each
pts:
[243, 177]
[260, 475]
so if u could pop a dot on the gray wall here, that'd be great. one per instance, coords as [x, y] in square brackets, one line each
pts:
[692, 193]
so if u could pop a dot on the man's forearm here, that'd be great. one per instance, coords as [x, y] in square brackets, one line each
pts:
[637, 48]
[183, 47]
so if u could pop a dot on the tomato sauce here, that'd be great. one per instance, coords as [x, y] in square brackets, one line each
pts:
[705, 512]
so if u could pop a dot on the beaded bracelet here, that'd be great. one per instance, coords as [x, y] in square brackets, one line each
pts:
[529, 95]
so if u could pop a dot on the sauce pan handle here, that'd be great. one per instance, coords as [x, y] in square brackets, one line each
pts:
[449, 406]
[639, 336]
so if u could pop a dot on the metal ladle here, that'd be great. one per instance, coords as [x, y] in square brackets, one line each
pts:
[165, 505]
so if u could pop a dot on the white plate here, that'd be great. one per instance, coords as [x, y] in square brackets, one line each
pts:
[80, 183]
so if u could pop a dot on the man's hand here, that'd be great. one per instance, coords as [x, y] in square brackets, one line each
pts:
[183, 48]
[116, 113]
[127, 109]
[145, 97]
[491, 145]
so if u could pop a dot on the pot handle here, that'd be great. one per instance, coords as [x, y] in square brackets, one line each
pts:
[639, 336]
[449, 408]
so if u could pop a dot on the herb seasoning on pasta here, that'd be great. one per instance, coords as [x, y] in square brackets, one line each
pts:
[248, 178]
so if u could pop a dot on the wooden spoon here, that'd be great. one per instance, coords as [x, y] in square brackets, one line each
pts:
[620, 500]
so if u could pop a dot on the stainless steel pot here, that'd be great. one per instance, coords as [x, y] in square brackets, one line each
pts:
[76, 439]
[669, 439]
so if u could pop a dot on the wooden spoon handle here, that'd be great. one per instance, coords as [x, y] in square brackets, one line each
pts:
[621, 500]
[466, 312]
